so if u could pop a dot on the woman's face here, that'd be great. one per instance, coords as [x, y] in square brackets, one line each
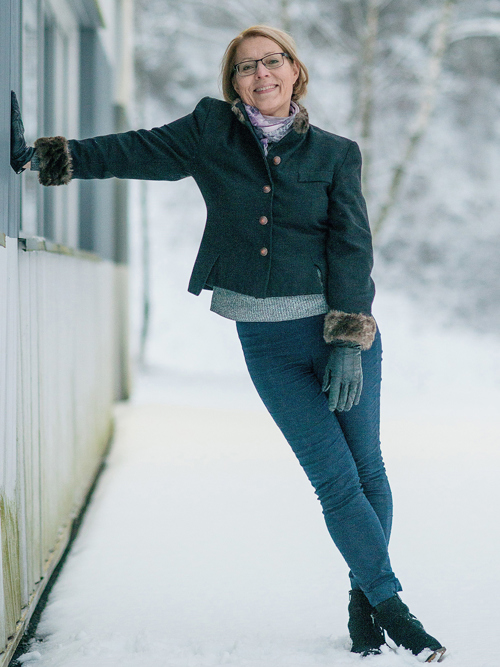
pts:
[269, 90]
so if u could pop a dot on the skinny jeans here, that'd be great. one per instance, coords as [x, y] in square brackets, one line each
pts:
[339, 451]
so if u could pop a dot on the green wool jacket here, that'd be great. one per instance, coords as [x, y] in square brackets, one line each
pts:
[292, 222]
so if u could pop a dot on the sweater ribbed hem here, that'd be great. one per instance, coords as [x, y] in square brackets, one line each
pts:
[245, 308]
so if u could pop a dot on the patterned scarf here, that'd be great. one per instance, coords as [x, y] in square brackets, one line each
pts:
[271, 128]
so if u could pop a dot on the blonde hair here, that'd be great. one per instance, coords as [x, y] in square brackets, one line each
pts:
[284, 41]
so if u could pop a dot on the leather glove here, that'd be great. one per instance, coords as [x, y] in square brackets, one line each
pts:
[20, 153]
[343, 377]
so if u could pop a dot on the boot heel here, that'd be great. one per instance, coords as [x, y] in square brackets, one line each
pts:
[432, 656]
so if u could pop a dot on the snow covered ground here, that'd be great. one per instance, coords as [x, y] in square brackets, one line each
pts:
[204, 543]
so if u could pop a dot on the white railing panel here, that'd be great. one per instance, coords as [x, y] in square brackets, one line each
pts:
[61, 324]
[10, 608]
[29, 424]
[76, 374]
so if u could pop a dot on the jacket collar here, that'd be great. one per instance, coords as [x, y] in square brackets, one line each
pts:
[300, 122]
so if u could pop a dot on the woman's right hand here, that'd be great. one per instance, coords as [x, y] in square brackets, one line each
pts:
[343, 379]
[20, 153]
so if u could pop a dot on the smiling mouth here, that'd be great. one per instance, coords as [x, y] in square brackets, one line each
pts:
[264, 89]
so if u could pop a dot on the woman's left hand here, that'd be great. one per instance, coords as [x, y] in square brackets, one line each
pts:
[343, 377]
[20, 153]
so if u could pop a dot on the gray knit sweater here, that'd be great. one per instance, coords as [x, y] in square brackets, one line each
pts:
[244, 308]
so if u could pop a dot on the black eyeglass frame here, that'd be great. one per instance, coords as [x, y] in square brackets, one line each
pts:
[261, 60]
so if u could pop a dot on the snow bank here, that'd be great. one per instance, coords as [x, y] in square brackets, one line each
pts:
[205, 545]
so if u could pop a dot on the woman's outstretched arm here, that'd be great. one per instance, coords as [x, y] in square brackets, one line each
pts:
[163, 153]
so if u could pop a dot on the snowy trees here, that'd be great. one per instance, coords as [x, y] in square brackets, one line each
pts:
[416, 82]
[429, 89]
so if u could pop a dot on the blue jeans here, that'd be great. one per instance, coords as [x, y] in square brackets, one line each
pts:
[340, 452]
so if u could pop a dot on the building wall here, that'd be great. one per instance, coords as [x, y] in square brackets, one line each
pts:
[63, 287]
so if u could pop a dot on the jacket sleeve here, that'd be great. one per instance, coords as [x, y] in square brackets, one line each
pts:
[163, 153]
[350, 289]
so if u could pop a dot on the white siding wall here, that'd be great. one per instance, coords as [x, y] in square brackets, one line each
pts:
[63, 312]
[9, 584]
[58, 341]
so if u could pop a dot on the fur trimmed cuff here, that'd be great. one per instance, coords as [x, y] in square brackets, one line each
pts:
[349, 328]
[54, 161]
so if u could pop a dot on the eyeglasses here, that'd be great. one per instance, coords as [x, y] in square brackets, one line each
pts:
[272, 61]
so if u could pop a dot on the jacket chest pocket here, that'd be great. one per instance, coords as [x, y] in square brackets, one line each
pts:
[311, 196]
[314, 176]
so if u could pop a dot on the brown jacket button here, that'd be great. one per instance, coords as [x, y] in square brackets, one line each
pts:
[263, 252]
[263, 220]
[267, 188]
[277, 159]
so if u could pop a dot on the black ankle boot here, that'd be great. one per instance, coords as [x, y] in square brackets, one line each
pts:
[366, 634]
[404, 629]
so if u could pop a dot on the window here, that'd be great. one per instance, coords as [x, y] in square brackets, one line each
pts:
[49, 65]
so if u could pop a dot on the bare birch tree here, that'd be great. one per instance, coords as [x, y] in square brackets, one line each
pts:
[366, 93]
[426, 107]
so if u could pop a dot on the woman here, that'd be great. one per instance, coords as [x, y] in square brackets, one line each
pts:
[287, 252]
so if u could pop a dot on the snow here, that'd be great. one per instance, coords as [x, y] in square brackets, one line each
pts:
[205, 545]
